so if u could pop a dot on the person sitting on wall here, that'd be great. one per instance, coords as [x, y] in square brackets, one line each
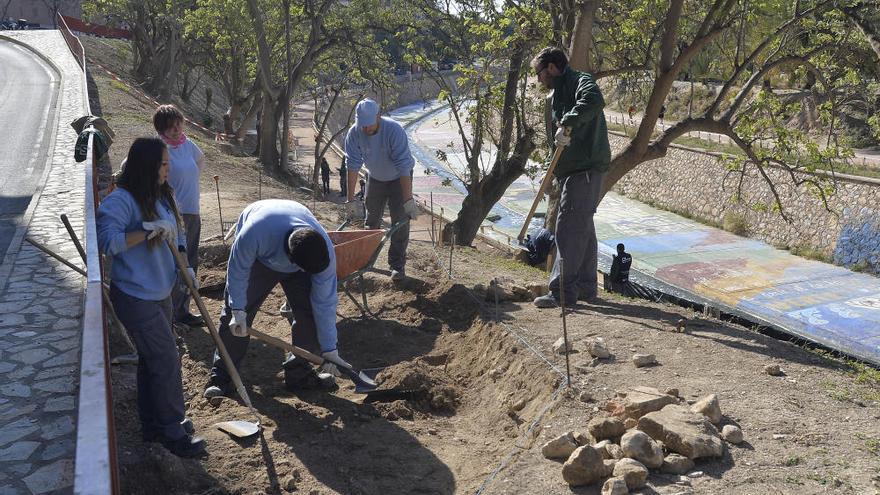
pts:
[619, 276]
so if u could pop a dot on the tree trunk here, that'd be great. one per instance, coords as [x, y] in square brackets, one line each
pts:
[270, 116]
[488, 191]
[581, 49]
[242, 129]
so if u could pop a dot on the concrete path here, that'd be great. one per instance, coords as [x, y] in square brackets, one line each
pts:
[819, 302]
[41, 303]
[28, 87]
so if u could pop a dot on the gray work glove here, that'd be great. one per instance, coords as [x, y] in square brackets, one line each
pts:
[238, 323]
[192, 276]
[331, 361]
[355, 209]
[166, 229]
[562, 138]
[411, 208]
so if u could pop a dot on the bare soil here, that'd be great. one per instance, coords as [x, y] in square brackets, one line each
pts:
[492, 389]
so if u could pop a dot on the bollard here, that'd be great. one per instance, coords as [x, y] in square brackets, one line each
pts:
[219, 207]
[564, 326]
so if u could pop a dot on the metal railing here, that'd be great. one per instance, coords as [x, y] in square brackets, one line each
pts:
[95, 467]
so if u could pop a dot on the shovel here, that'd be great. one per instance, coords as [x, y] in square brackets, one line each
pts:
[363, 382]
[239, 429]
[544, 183]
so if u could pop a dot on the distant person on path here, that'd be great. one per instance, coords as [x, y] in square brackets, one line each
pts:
[325, 176]
[133, 224]
[662, 115]
[631, 111]
[381, 144]
[577, 106]
[619, 276]
[280, 242]
[343, 179]
[187, 162]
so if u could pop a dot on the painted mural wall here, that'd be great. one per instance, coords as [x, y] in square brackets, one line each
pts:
[696, 184]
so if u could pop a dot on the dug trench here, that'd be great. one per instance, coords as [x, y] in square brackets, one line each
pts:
[479, 392]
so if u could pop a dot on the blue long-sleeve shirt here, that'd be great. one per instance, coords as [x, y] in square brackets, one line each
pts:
[261, 235]
[139, 271]
[386, 154]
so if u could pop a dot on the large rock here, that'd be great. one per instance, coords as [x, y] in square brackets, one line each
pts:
[560, 447]
[642, 360]
[615, 451]
[676, 464]
[682, 431]
[607, 427]
[642, 400]
[632, 471]
[602, 450]
[732, 434]
[639, 446]
[598, 348]
[708, 406]
[560, 347]
[585, 466]
[615, 486]
[609, 466]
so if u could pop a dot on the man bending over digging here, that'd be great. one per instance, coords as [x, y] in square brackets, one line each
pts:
[280, 241]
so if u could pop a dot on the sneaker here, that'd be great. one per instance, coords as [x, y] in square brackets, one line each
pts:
[546, 301]
[215, 388]
[285, 311]
[300, 375]
[188, 428]
[398, 275]
[192, 320]
[185, 446]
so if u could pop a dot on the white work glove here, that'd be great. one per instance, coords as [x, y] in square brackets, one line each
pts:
[411, 209]
[331, 361]
[166, 229]
[355, 209]
[560, 138]
[238, 323]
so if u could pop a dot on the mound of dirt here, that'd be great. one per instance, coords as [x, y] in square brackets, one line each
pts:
[440, 393]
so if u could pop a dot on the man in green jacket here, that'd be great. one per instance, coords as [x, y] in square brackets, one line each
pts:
[577, 107]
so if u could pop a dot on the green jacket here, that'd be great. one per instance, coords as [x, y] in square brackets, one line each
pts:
[577, 104]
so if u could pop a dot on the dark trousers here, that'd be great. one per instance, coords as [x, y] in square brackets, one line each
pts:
[378, 193]
[576, 242]
[180, 299]
[297, 287]
[325, 184]
[159, 385]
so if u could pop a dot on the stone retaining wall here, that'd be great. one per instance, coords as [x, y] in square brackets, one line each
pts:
[697, 184]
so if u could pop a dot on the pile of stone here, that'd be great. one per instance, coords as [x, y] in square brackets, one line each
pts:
[647, 430]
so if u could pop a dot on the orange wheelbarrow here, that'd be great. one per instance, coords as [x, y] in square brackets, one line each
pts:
[356, 254]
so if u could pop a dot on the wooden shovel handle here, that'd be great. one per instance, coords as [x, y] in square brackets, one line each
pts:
[297, 351]
[224, 355]
[544, 183]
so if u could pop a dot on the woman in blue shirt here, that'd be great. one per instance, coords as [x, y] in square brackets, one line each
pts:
[186, 162]
[133, 224]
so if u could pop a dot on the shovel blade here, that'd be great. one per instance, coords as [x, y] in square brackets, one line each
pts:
[239, 429]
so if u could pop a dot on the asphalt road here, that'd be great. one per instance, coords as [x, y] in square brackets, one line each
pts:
[28, 93]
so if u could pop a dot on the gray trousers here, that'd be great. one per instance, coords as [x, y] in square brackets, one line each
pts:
[180, 299]
[297, 287]
[377, 194]
[576, 241]
[159, 385]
